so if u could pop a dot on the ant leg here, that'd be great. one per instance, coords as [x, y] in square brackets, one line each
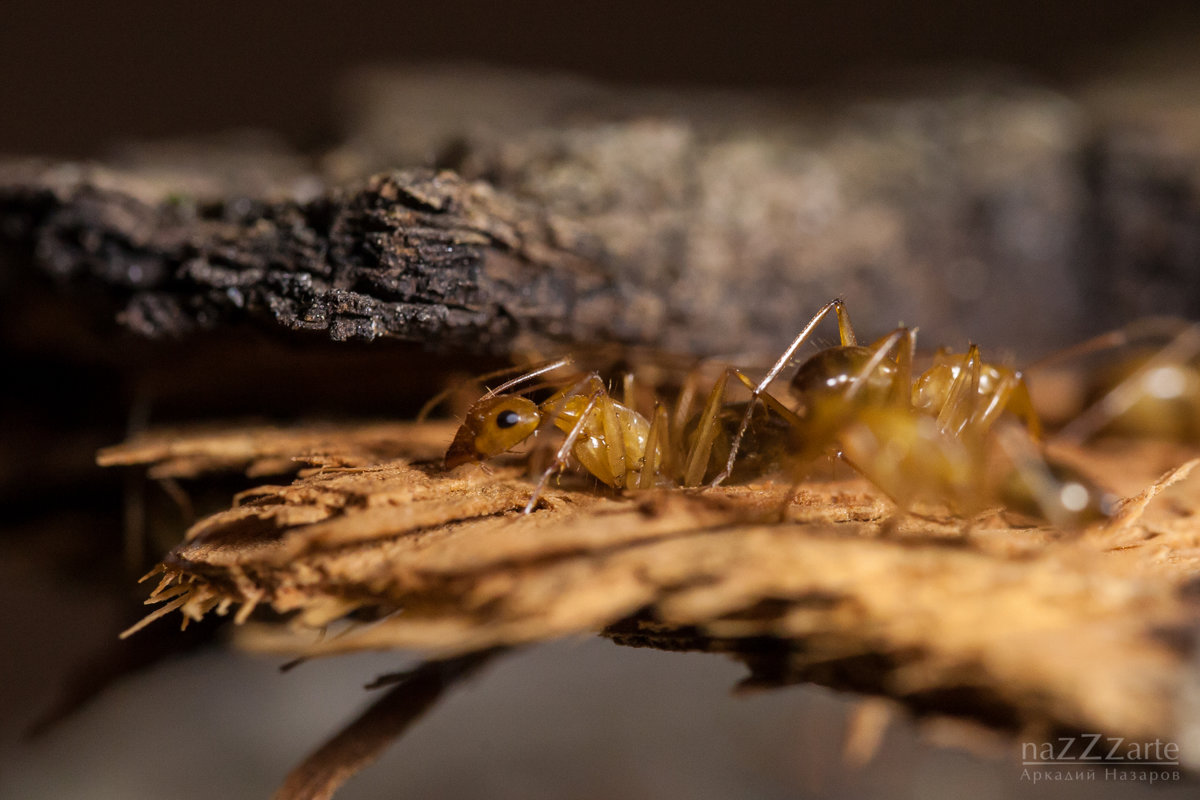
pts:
[902, 504]
[628, 395]
[606, 463]
[1034, 473]
[905, 357]
[961, 400]
[846, 334]
[1004, 393]
[614, 437]
[656, 449]
[769, 400]
[668, 458]
[1021, 404]
[684, 402]
[611, 465]
[706, 434]
[542, 369]
[553, 406]
[1010, 394]
[879, 352]
[706, 431]
[1151, 327]
[564, 450]
[845, 329]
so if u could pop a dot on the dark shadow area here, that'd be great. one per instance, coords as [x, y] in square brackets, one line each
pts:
[79, 76]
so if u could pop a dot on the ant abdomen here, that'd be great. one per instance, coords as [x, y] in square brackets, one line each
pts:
[1154, 391]
[614, 440]
[1052, 490]
[1163, 401]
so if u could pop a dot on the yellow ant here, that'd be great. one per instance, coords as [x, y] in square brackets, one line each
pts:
[928, 437]
[608, 438]
[908, 457]
[837, 384]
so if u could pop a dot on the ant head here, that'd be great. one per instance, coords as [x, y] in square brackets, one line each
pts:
[493, 425]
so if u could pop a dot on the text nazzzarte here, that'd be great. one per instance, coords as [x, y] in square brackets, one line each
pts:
[1099, 748]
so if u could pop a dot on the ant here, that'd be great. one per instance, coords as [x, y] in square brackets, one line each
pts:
[609, 438]
[837, 383]
[928, 437]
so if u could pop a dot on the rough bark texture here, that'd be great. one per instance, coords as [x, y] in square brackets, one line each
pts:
[957, 204]
[533, 209]
[415, 255]
[1024, 629]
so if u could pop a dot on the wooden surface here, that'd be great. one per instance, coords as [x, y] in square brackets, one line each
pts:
[1027, 630]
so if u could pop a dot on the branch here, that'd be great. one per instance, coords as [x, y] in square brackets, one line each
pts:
[559, 211]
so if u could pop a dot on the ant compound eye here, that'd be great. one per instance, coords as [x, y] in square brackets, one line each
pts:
[507, 419]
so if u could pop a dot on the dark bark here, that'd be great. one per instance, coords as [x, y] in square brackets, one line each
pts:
[413, 255]
[702, 223]
[537, 210]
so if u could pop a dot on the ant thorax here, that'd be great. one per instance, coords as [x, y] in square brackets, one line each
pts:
[822, 383]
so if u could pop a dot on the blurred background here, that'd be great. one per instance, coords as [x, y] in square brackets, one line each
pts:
[84, 80]
[80, 77]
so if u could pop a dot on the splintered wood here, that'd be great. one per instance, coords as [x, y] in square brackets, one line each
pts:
[1023, 628]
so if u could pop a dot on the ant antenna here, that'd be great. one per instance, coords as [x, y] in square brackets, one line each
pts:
[542, 370]
[1141, 329]
[437, 399]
